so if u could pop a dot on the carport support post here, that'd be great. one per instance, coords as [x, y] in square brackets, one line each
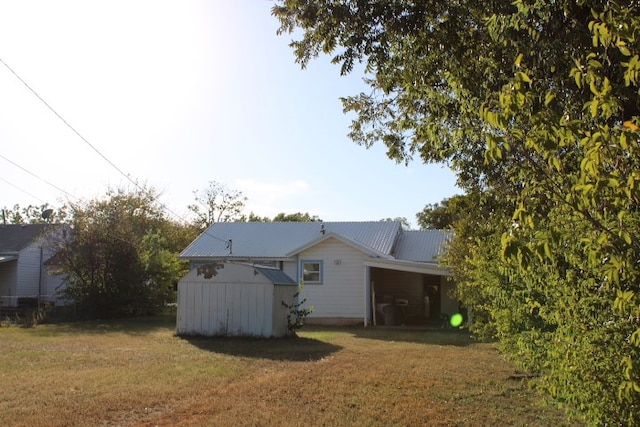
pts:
[368, 294]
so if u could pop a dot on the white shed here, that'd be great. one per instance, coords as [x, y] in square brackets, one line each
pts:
[238, 300]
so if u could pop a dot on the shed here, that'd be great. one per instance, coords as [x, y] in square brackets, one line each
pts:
[234, 299]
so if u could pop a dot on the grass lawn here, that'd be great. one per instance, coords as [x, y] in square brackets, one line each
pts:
[138, 373]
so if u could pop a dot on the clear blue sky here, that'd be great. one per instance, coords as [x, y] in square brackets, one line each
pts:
[180, 93]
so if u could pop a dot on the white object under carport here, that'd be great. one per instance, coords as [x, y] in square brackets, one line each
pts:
[239, 300]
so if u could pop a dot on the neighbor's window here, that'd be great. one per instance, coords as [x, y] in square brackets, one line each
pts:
[312, 271]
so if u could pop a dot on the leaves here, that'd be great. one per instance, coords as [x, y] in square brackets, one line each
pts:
[535, 105]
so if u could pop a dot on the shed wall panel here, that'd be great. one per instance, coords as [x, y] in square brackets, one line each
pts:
[279, 313]
[225, 309]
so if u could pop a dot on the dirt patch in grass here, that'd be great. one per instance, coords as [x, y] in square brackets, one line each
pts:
[137, 373]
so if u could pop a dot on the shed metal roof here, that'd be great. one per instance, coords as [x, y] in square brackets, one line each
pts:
[276, 240]
[275, 276]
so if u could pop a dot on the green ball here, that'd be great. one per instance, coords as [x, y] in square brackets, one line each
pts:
[456, 320]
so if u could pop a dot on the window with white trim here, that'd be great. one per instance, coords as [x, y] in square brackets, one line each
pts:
[312, 272]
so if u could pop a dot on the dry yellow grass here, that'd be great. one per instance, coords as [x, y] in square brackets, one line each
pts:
[137, 373]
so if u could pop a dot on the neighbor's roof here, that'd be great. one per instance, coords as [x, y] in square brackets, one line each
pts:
[422, 245]
[15, 237]
[278, 240]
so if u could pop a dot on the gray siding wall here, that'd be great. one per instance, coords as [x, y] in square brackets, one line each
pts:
[7, 282]
[28, 275]
[53, 285]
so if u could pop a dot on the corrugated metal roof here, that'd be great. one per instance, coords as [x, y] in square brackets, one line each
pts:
[275, 240]
[275, 276]
[422, 245]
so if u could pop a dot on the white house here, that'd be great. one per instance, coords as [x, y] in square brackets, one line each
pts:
[24, 278]
[353, 272]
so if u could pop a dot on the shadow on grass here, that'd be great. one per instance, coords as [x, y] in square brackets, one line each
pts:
[297, 349]
[429, 336]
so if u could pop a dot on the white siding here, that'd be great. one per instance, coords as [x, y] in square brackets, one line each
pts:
[235, 302]
[291, 269]
[342, 292]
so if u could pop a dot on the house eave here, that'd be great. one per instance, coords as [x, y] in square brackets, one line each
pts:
[410, 266]
[239, 259]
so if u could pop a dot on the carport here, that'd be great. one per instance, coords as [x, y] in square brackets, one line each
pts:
[407, 293]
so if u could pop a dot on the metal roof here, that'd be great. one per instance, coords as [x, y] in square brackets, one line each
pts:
[275, 276]
[422, 245]
[276, 240]
[15, 237]
[283, 240]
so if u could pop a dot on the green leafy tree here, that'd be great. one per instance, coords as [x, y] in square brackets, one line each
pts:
[444, 214]
[296, 217]
[32, 214]
[281, 217]
[535, 105]
[119, 259]
[217, 203]
[402, 220]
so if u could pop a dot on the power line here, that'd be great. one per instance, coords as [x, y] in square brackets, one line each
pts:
[67, 123]
[41, 179]
[24, 191]
[162, 205]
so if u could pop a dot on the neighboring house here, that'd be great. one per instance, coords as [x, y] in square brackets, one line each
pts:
[24, 250]
[353, 272]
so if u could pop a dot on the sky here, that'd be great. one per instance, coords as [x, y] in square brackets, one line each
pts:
[175, 94]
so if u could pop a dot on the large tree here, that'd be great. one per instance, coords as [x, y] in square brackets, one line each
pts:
[535, 106]
[217, 203]
[121, 257]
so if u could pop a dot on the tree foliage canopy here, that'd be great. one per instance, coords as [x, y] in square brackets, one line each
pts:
[535, 105]
[32, 214]
[121, 257]
[217, 203]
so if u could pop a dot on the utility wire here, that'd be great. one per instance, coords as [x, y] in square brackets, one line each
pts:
[24, 191]
[67, 123]
[127, 176]
[41, 179]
